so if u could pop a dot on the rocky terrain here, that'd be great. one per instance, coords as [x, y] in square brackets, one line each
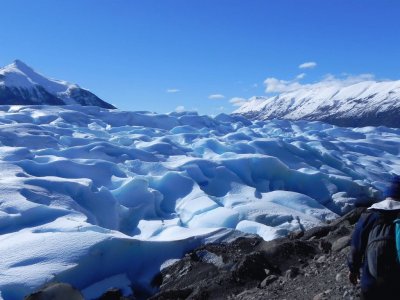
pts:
[305, 265]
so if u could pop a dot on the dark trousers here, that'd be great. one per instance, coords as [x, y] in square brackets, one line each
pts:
[382, 292]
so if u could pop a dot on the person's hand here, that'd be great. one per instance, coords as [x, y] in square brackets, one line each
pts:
[353, 277]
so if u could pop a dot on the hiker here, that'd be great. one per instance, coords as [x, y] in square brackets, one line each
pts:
[373, 247]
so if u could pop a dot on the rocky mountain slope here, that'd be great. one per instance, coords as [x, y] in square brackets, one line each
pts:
[305, 265]
[21, 85]
[366, 103]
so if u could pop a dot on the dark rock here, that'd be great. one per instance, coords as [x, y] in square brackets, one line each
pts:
[305, 265]
[324, 246]
[111, 294]
[341, 243]
[344, 229]
[316, 232]
[268, 280]
[285, 253]
[173, 294]
[296, 235]
[322, 296]
[292, 272]
[157, 280]
[345, 250]
[59, 291]
[352, 217]
[199, 293]
[252, 266]
[321, 259]
[339, 277]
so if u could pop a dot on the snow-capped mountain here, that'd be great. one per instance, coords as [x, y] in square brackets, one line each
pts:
[366, 103]
[20, 84]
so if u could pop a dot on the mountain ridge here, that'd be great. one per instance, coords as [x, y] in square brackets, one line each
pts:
[22, 85]
[364, 103]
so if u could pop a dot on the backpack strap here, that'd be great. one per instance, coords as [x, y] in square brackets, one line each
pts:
[397, 235]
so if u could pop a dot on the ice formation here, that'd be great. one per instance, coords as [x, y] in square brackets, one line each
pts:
[99, 198]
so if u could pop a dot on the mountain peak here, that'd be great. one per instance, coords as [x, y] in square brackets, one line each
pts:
[21, 84]
[24, 68]
[20, 64]
[17, 65]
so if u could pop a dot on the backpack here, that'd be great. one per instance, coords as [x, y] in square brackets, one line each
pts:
[381, 252]
[397, 237]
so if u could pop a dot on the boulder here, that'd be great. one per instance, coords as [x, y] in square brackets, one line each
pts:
[341, 243]
[59, 291]
[268, 280]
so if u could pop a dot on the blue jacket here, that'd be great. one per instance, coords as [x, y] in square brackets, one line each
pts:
[359, 240]
[359, 243]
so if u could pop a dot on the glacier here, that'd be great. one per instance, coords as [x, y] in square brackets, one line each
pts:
[101, 198]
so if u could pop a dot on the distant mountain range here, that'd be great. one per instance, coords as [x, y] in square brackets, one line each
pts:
[21, 85]
[366, 103]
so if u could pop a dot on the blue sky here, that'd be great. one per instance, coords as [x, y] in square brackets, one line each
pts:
[160, 55]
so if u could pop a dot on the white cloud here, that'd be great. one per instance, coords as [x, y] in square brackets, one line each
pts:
[350, 79]
[308, 65]
[237, 101]
[173, 90]
[275, 85]
[343, 80]
[216, 96]
[301, 76]
[255, 85]
[180, 108]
